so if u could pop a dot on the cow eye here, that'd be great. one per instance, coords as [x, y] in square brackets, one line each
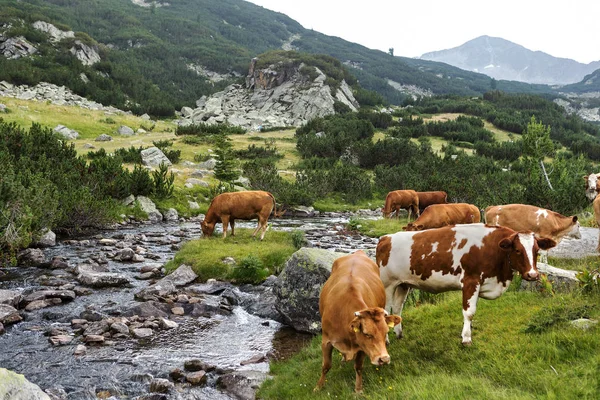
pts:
[368, 335]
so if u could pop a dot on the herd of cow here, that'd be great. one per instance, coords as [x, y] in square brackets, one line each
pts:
[445, 248]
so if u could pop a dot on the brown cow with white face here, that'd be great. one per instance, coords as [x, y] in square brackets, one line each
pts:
[401, 199]
[438, 215]
[352, 315]
[477, 259]
[227, 207]
[428, 198]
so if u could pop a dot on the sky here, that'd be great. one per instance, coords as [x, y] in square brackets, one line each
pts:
[412, 28]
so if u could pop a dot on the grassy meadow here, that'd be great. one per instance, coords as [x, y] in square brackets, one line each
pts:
[523, 348]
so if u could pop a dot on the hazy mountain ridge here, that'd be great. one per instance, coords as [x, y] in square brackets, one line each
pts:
[504, 60]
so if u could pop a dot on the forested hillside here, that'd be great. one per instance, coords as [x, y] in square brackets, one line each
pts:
[149, 55]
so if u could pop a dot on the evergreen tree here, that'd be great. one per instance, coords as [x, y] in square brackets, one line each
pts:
[226, 167]
[537, 145]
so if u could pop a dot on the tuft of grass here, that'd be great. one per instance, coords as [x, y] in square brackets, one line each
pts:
[378, 227]
[205, 255]
[504, 362]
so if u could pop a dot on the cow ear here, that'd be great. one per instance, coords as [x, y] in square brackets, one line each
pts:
[545, 243]
[507, 243]
[574, 218]
[355, 325]
[393, 320]
[420, 227]
[585, 177]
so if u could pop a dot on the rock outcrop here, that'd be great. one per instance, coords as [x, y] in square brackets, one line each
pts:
[278, 95]
[56, 35]
[16, 47]
[16, 387]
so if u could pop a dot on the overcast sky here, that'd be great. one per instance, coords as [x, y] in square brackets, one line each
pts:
[562, 29]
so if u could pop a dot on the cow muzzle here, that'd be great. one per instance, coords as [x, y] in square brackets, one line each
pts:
[532, 276]
[381, 360]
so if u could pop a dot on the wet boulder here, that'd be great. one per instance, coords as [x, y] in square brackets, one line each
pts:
[298, 287]
[31, 257]
[9, 314]
[10, 297]
[241, 384]
[95, 276]
[182, 276]
[16, 387]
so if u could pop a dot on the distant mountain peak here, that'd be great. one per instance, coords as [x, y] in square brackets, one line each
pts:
[502, 59]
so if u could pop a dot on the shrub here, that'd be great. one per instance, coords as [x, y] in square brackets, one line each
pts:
[298, 239]
[250, 270]
[163, 182]
[131, 155]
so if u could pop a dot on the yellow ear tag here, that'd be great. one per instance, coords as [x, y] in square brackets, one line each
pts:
[355, 329]
[391, 324]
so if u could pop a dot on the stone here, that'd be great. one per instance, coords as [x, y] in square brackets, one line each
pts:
[119, 327]
[191, 182]
[15, 386]
[80, 350]
[171, 215]
[10, 297]
[104, 138]
[167, 323]
[161, 385]
[562, 280]
[107, 242]
[94, 339]
[48, 239]
[241, 384]
[298, 288]
[16, 47]
[193, 205]
[60, 340]
[197, 365]
[153, 157]
[31, 257]
[148, 309]
[182, 276]
[141, 333]
[88, 55]
[9, 314]
[196, 378]
[38, 304]
[125, 254]
[149, 208]
[208, 164]
[584, 323]
[88, 277]
[67, 133]
[124, 130]
[178, 310]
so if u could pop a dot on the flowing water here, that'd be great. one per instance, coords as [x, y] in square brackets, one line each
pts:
[125, 368]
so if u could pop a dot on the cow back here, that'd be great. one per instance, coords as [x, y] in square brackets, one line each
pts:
[428, 198]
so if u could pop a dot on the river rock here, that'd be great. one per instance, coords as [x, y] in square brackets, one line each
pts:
[167, 323]
[299, 285]
[48, 239]
[180, 277]
[80, 350]
[39, 304]
[196, 378]
[141, 333]
[10, 297]
[171, 215]
[161, 385]
[149, 208]
[31, 257]
[66, 295]
[9, 314]
[92, 278]
[149, 309]
[125, 131]
[562, 280]
[60, 340]
[153, 157]
[15, 386]
[241, 384]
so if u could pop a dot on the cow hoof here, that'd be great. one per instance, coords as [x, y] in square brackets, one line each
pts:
[467, 344]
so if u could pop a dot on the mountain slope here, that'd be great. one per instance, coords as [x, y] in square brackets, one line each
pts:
[502, 59]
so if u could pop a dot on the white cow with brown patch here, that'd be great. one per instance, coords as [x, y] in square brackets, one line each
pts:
[477, 259]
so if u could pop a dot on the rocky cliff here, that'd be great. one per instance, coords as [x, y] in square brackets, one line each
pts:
[280, 95]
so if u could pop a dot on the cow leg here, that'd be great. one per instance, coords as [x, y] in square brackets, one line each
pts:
[395, 298]
[326, 349]
[470, 296]
[232, 223]
[265, 226]
[225, 221]
[358, 365]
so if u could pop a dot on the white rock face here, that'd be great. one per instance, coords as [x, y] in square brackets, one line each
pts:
[16, 47]
[67, 133]
[16, 387]
[84, 53]
[56, 35]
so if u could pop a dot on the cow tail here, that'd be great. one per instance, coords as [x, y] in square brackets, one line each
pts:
[274, 205]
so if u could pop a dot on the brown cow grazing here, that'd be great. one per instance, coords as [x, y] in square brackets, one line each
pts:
[352, 316]
[544, 223]
[428, 198]
[591, 186]
[438, 215]
[478, 259]
[401, 199]
[596, 206]
[227, 207]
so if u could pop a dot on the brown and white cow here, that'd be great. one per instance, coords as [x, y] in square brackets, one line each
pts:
[401, 199]
[591, 186]
[596, 207]
[544, 223]
[428, 198]
[478, 259]
[438, 215]
[353, 319]
[227, 207]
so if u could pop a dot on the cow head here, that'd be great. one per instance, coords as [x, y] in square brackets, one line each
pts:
[591, 186]
[370, 328]
[413, 227]
[207, 228]
[522, 249]
[574, 233]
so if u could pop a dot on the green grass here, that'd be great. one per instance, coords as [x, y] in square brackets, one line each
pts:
[377, 227]
[205, 255]
[504, 362]
[575, 264]
[334, 203]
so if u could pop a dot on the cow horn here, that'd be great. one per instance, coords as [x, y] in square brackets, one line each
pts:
[357, 313]
[386, 313]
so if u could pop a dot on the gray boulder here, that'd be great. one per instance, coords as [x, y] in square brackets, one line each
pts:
[125, 131]
[191, 182]
[562, 280]
[90, 276]
[56, 35]
[10, 297]
[48, 239]
[31, 257]
[67, 133]
[149, 208]
[171, 215]
[208, 164]
[15, 386]
[182, 276]
[241, 384]
[104, 138]
[86, 54]
[153, 157]
[16, 47]
[9, 315]
[299, 285]
[3, 108]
